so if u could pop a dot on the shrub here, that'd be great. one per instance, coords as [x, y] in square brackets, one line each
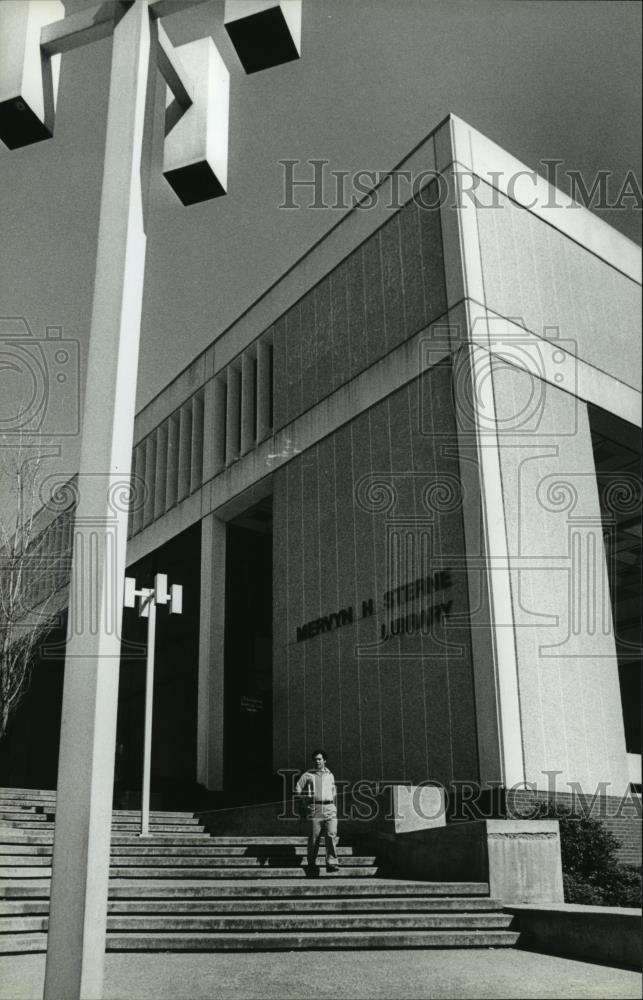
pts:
[592, 873]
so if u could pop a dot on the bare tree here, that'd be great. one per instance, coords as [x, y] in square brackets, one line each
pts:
[33, 563]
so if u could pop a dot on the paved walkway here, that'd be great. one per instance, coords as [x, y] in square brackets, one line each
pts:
[341, 975]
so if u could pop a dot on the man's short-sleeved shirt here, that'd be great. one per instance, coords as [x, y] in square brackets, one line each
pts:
[317, 785]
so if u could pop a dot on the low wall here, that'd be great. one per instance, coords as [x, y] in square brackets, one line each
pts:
[520, 859]
[592, 933]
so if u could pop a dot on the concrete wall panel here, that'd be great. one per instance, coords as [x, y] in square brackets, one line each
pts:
[402, 709]
[567, 670]
[535, 272]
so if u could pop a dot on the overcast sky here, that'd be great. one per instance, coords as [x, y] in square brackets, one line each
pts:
[542, 79]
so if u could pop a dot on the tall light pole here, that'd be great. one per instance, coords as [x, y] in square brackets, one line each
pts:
[149, 597]
[264, 33]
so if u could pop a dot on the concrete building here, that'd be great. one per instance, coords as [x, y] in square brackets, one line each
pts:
[402, 492]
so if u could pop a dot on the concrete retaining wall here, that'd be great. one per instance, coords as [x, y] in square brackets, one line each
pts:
[593, 933]
[519, 858]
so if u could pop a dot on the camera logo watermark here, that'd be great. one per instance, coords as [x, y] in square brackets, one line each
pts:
[39, 380]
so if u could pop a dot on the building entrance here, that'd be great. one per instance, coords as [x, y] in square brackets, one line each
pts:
[173, 777]
[617, 456]
[247, 760]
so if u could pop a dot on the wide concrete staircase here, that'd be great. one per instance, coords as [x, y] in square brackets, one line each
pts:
[182, 889]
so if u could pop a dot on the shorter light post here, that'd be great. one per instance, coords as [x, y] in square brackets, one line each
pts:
[149, 597]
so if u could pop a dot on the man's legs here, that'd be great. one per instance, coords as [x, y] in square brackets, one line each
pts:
[331, 838]
[314, 836]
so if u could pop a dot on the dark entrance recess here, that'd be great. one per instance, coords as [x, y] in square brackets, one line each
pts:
[617, 457]
[173, 774]
[248, 775]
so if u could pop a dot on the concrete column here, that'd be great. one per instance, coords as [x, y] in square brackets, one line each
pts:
[488, 723]
[570, 703]
[264, 389]
[214, 407]
[139, 474]
[248, 402]
[77, 921]
[160, 472]
[150, 479]
[211, 654]
[172, 481]
[494, 662]
[196, 470]
[233, 415]
[495, 666]
[185, 450]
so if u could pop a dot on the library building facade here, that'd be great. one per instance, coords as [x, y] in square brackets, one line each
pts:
[402, 493]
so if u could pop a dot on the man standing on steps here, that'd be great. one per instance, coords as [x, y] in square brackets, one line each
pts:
[317, 795]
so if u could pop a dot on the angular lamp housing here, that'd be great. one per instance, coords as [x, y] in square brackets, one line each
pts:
[28, 77]
[195, 154]
[265, 33]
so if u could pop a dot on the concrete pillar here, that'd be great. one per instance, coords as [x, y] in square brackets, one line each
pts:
[138, 470]
[495, 666]
[196, 470]
[233, 415]
[185, 450]
[214, 410]
[78, 911]
[572, 720]
[248, 402]
[264, 389]
[172, 481]
[150, 479]
[160, 472]
[211, 654]
[488, 723]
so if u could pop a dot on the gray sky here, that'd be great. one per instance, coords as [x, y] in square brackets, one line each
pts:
[542, 79]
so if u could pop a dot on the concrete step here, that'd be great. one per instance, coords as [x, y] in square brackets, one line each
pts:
[20, 872]
[211, 872]
[19, 859]
[9, 811]
[194, 871]
[177, 816]
[22, 816]
[311, 940]
[282, 923]
[125, 827]
[195, 860]
[120, 839]
[207, 850]
[7, 825]
[28, 850]
[288, 905]
[334, 940]
[19, 944]
[45, 837]
[200, 848]
[220, 841]
[21, 793]
[257, 888]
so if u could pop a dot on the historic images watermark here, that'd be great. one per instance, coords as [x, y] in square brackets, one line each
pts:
[368, 801]
[313, 184]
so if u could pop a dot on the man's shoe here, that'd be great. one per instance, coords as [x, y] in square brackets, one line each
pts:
[332, 868]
